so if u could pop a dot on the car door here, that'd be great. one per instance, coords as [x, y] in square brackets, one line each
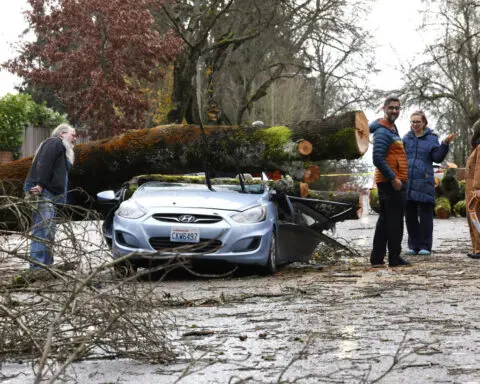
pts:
[107, 209]
[296, 240]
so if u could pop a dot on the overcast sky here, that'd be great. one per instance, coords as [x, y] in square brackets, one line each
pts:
[393, 22]
[12, 23]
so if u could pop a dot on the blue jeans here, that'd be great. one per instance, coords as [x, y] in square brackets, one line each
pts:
[43, 229]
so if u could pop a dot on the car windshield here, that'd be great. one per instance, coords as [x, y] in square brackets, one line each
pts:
[250, 188]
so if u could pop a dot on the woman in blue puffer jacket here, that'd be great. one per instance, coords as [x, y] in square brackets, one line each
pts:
[422, 148]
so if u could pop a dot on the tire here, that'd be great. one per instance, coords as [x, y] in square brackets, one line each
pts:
[124, 269]
[271, 267]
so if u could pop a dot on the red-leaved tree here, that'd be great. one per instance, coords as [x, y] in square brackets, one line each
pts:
[95, 53]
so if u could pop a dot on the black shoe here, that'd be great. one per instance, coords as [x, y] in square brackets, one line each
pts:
[376, 263]
[474, 255]
[398, 262]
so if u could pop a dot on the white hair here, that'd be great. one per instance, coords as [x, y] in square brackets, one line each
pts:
[57, 132]
[62, 128]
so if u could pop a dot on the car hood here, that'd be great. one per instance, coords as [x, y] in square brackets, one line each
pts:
[199, 199]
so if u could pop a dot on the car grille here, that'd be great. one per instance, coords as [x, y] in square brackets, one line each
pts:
[198, 219]
[204, 246]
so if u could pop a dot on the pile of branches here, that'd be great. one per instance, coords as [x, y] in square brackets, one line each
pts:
[75, 309]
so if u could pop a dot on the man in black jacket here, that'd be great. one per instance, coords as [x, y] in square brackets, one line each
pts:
[47, 182]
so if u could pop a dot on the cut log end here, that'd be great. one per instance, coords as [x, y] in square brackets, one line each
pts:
[311, 174]
[451, 165]
[362, 132]
[304, 147]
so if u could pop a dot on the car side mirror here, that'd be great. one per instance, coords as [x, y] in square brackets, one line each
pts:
[106, 195]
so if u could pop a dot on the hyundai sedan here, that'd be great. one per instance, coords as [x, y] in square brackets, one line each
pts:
[252, 225]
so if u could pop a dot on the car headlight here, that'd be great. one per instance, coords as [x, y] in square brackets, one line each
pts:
[252, 215]
[130, 210]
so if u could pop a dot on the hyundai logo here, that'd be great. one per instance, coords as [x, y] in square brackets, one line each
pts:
[187, 219]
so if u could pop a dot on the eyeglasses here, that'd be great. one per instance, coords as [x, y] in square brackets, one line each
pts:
[416, 122]
[392, 107]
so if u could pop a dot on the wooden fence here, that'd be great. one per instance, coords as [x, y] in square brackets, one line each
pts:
[33, 136]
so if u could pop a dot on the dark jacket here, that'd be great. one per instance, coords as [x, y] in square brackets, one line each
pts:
[49, 168]
[421, 153]
[389, 155]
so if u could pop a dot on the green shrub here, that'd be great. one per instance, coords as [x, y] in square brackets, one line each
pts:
[13, 119]
[18, 111]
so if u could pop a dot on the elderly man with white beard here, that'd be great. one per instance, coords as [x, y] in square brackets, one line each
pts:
[47, 182]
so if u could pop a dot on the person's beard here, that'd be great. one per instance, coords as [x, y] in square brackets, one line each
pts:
[392, 118]
[69, 151]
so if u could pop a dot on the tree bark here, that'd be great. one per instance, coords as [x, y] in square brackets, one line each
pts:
[337, 137]
[180, 149]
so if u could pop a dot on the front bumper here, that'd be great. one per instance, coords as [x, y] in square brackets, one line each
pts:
[149, 239]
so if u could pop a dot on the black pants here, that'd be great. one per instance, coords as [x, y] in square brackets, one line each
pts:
[389, 229]
[419, 220]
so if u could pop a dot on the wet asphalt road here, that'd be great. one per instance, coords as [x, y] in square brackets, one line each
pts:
[340, 322]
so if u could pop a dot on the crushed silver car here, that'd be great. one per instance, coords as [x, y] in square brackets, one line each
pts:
[242, 224]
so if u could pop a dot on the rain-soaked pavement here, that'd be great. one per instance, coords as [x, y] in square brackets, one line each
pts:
[335, 323]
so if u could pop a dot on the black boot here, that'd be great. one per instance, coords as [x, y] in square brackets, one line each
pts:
[376, 263]
[398, 262]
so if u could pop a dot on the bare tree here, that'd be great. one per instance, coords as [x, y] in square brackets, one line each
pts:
[448, 80]
[215, 30]
[342, 59]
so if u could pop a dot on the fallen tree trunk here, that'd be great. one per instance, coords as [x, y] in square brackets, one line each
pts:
[175, 149]
[338, 137]
[349, 197]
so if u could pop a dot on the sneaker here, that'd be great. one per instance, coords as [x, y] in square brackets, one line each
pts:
[474, 255]
[411, 252]
[398, 262]
[423, 252]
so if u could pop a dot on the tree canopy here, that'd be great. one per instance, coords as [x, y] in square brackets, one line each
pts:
[93, 53]
[447, 80]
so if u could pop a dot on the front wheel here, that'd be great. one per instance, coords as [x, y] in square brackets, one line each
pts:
[271, 266]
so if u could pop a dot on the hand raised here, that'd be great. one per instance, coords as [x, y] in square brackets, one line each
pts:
[450, 138]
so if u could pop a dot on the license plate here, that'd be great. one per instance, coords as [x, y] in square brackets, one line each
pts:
[191, 235]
